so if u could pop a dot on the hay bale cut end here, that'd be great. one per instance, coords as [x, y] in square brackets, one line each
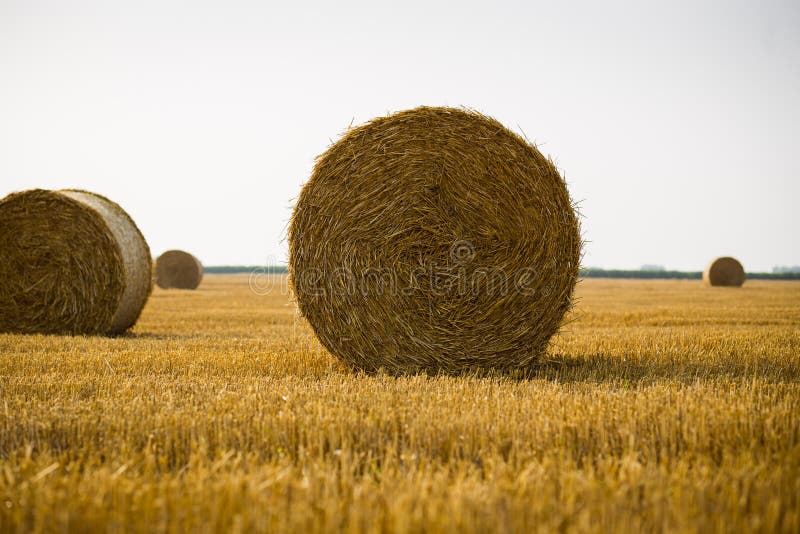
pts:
[74, 262]
[725, 271]
[179, 270]
[434, 240]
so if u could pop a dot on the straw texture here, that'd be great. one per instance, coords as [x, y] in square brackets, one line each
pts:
[73, 263]
[434, 240]
[725, 271]
[178, 269]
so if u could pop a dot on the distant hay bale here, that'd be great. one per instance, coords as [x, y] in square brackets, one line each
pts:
[434, 239]
[73, 263]
[178, 269]
[724, 271]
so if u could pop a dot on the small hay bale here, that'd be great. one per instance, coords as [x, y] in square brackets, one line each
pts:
[434, 240]
[178, 269]
[73, 263]
[724, 271]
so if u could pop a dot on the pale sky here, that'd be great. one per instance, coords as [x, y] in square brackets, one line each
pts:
[675, 123]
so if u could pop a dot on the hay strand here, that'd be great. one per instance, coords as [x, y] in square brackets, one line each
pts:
[725, 271]
[434, 239]
[74, 263]
[179, 270]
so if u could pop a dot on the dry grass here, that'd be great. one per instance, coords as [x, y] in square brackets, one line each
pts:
[667, 406]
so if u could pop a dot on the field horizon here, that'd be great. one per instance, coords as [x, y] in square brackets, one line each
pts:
[586, 272]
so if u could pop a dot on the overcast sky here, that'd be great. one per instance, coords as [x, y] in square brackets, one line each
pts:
[675, 123]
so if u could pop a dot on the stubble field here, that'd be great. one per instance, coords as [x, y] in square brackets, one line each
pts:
[663, 406]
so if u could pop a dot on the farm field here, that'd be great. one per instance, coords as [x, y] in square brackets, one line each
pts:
[663, 405]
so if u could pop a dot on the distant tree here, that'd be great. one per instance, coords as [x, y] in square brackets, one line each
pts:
[651, 267]
[233, 269]
[780, 269]
[592, 272]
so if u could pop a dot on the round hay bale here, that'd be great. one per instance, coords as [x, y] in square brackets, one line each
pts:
[434, 240]
[178, 269]
[725, 271]
[73, 263]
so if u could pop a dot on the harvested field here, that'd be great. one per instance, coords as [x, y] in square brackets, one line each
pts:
[667, 406]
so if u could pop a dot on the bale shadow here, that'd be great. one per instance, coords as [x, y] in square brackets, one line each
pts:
[625, 372]
[631, 371]
[154, 337]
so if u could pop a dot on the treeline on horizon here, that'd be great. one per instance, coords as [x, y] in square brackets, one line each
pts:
[589, 272]
[676, 275]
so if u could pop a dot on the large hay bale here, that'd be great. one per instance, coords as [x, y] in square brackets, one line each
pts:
[73, 263]
[434, 239]
[178, 269]
[724, 271]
